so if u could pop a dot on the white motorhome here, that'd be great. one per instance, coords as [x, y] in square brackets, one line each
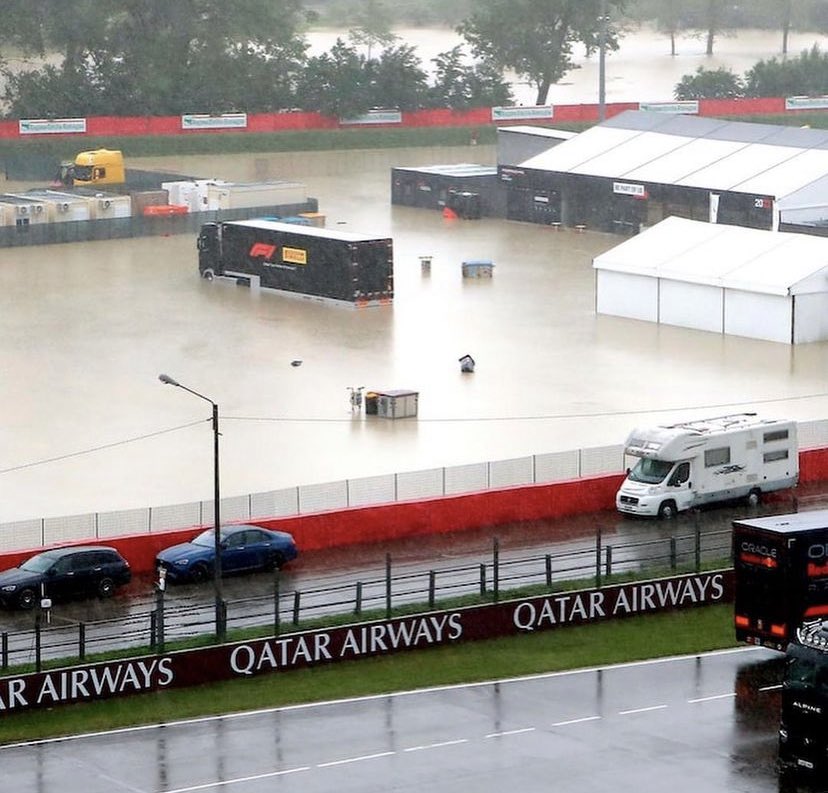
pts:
[686, 465]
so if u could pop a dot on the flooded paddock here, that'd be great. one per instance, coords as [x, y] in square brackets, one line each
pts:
[86, 328]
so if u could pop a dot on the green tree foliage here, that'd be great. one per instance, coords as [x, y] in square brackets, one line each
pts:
[710, 84]
[806, 75]
[460, 86]
[154, 56]
[333, 84]
[397, 79]
[373, 26]
[534, 38]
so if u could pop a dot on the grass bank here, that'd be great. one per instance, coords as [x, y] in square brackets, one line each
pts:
[654, 636]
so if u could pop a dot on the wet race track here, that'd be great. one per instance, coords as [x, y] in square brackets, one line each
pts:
[694, 724]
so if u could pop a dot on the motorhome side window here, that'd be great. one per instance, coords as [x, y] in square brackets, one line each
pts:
[714, 457]
[780, 454]
[680, 475]
[776, 435]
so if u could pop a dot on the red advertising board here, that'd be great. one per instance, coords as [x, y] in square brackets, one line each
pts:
[290, 651]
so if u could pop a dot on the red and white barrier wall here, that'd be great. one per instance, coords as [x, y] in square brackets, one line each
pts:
[401, 520]
[125, 126]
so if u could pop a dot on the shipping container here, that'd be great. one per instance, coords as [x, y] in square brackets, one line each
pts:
[235, 195]
[357, 269]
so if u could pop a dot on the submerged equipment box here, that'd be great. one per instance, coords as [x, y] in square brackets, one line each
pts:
[303, 260]
[397, 404]
[478, 268]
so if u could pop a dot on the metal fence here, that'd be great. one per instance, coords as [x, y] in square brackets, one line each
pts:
[344, 494]
[379, 594]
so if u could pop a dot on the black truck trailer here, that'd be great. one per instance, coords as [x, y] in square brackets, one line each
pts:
[302, 260]
[781, 576]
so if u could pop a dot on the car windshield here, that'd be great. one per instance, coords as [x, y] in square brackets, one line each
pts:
[206, 539]
[38, 564]
[650, 471]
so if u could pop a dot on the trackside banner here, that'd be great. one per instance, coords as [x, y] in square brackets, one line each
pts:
[291, 651]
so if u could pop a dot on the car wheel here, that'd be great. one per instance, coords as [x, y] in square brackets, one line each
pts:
[106, 588]
[199, 573]
[208, 274]
[754, 498]
[667, 510]
[276, 562]
[26, 599]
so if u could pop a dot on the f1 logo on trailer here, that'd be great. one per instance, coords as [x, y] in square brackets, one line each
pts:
[263, 250]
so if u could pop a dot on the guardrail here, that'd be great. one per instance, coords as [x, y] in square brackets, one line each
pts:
[382, 591]
[433, 483]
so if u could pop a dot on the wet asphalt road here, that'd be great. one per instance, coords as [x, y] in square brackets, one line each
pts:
[696, 724]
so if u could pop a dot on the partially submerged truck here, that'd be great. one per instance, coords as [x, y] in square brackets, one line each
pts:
[780, 576]
[306, 261]
[94, 167]
[694, 463]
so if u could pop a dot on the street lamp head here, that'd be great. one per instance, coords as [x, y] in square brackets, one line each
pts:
[167, 380]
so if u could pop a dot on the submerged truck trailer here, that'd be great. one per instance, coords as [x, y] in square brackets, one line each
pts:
[301, 260]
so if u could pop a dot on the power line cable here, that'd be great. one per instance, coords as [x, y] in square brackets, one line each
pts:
[459, 420]
[112, 445]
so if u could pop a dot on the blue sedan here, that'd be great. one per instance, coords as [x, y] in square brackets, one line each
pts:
[243, 549]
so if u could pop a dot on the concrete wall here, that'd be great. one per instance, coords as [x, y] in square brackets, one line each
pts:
[397, 521]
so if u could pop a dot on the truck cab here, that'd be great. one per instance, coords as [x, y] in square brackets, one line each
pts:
[658, 487]
[803, 729]
[98, 167]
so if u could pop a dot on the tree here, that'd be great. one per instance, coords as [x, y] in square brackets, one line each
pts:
[710, 84]
[373, 26]
[460, 86]
[535, 37]
[334, 83]
[154, 56]
[397, 79]
[806, 75]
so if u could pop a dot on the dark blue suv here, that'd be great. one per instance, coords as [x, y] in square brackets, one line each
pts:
[64, 573]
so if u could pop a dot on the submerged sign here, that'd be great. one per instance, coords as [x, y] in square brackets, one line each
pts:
[299, 650]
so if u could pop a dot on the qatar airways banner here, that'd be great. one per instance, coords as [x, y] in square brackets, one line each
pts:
[291, 651]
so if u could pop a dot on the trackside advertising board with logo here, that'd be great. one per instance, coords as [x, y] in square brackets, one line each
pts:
[291, 651]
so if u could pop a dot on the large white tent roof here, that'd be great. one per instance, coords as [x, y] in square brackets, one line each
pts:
[735, 156]
[731, 257]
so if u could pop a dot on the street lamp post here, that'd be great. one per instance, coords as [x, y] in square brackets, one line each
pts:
[219, 595]
[602, 62]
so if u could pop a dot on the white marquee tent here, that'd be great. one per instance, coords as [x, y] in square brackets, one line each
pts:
[726, 279]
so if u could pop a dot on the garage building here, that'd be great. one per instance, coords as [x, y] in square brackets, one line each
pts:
[726, 279]
[640, 167]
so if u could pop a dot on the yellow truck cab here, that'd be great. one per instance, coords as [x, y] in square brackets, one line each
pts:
[100, 166]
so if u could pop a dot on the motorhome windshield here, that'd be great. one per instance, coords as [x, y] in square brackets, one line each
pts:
[649, 471]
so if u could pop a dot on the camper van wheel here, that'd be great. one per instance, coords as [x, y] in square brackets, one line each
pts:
[208, 275]
[754, 498]
[667, 510]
